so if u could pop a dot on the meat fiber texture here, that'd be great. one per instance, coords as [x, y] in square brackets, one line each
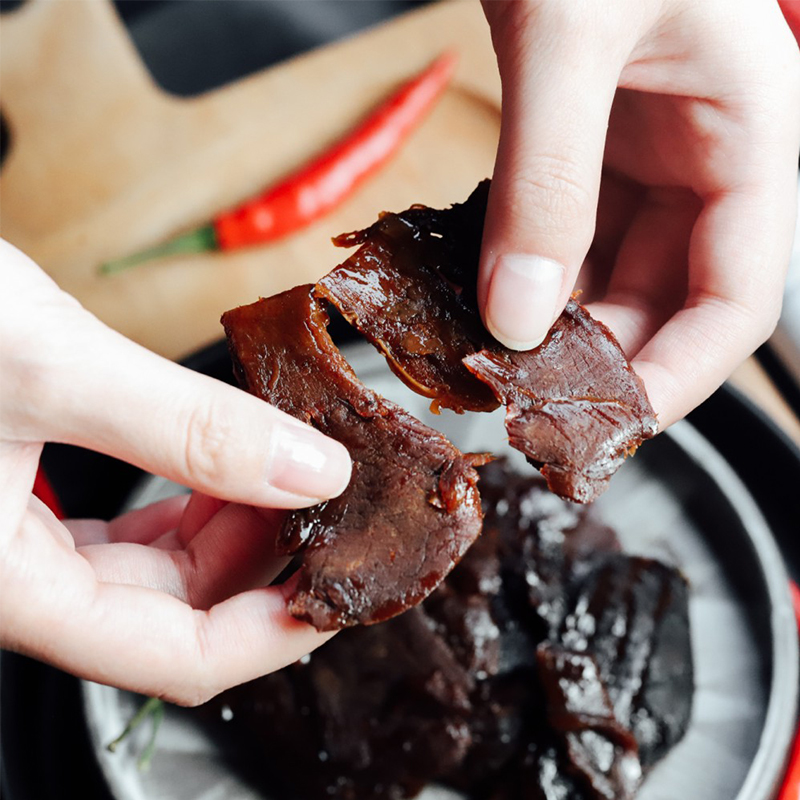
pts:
[412, 507]
[547, 665]
[575, 406]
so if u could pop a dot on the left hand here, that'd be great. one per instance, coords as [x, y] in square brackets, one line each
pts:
[174, 600]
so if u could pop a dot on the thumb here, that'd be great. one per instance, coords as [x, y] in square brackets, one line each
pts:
[559, 76]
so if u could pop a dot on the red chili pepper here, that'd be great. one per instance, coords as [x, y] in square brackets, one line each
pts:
[791, 785]
[323, 183]
[791, 10]
[44, 491]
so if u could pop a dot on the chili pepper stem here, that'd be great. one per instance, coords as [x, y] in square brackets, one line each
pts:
[149, 751]
[200, 240]
[152, 706]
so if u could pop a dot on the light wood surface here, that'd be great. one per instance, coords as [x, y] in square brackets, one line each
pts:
[753, 382]
[104, 163]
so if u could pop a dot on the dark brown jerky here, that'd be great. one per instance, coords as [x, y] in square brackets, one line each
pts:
[544, 542]
[575, 406]
[412, 507]
[462, 690]
[392, 290]
[601, 753]
[375, 714]
[632, 615]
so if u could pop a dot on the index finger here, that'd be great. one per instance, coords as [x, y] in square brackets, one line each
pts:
[737, 265]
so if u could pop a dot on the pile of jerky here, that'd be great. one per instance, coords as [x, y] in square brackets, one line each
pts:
[547, 666]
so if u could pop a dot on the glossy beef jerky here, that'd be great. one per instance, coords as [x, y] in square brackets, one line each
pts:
[544, 542]
[394, 706]
[377, 713]
[632, 615]
[575, 406]
[394, 290]
[412, 507]
[469, 689]
[601, 753]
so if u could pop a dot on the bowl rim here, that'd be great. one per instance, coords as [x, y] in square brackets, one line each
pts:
[780, 723]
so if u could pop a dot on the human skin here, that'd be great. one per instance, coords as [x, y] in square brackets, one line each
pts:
[173, 600]
[663, 133]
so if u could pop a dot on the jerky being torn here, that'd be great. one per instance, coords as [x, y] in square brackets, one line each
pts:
[575, 406]
[412, 507]
[392, 290]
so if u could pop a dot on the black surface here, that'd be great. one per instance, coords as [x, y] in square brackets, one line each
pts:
[784, 380]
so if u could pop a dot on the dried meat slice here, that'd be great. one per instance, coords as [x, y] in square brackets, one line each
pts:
[575, 406]
[375, 714]
[392, 290]
[600, 752]
[412, 507]
[632, 615]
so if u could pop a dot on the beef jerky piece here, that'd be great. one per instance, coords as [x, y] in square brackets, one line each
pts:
[602, 753]
[575, 407]
[632, 615]
[378, 712]
[539, 775]
[544, 542]
[462, 607]
[544, 776]
[394, 703]
[467, 624]
[412, 507]
[394, 290]
[505, 711]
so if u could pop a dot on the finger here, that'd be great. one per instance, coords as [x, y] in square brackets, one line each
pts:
[234, 551]
[559, 70]
[148, 642]
[199, 511]
[618, 204]
[142, 526]
[96, 389]
[738, 258]
[649, 281]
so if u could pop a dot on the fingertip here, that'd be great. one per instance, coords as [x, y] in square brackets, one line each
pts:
[523, 299]
[512, 344]
[307, 464]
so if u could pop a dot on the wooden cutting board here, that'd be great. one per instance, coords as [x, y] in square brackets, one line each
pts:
[104, 163]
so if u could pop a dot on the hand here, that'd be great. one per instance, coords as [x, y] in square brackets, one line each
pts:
[665, 134]
[172, 600]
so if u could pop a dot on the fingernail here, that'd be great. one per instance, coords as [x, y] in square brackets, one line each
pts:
[306, 463]
[521, 302]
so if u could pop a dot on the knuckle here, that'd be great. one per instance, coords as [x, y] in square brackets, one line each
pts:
[762, 314]
[198, 682]
[749, 321]
[519, 27]
[552, 195]
[209, 432]
[189, 694]
[767, 321]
